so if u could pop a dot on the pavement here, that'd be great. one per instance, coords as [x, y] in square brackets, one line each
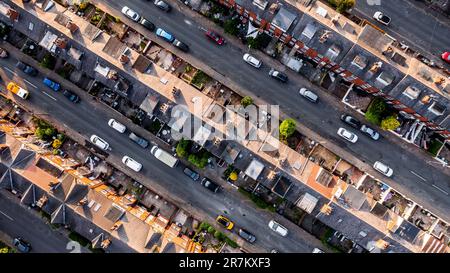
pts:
[416, 175]
[89, 117]
[413, 23]
[17, 220]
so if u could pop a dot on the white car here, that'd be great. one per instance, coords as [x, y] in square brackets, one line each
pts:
[278, 228]
[370, 132]
[131, 14]
[383, 168]
[252, 60]
[309, 95]
[347, 135]
[99, 142]
[380, 17]
[131, 163]
[119, 127]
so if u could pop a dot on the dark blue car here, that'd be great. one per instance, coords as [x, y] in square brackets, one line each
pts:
[53, 85]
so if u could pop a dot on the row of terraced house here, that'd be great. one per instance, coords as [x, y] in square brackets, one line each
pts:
[351, 191]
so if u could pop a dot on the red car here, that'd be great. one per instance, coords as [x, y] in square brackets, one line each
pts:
[446, 56]
[215, 37]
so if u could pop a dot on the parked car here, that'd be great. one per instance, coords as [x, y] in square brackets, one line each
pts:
[71, 96]
[52, 84]
[351, 121]
[162, 5]
[215, 37]
[210, 185]
[309, 95]
[225, 222]
[119, 127]
[22, 245]
[131, 163]
[380, 17]
[370, 132]
[193, 175]
[131, 14]
[278, 75]
[182, 46]
[278, 228]
[147, 24]
[138, 140]
[247, 235]
[317, 250]
[16, 89]
[383, 168]
[446, 56]
[165, 35]
[252, 60]
[99, 142]
[27, 69]
[347, 135]
[3, 53]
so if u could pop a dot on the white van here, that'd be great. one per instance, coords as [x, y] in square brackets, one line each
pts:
[119, 127]
[131, 163]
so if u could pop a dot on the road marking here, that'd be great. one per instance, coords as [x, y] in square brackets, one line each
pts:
[48, 95]
[418, 176]
[440, 189]
[188, 22]
[10, 70]
[6, 215]
[31, 84]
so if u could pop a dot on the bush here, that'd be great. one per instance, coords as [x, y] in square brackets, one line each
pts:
[219, 235]
[231, 243]
[182, 148]
[233, 176]
[230, 26]
[199, 160]
[44, 130]
[287, 128]
[56, 143]
[377, 111]
[345, 5]
[211, 230]
[390, 123]
[246, 101]
[204, 226]
[48, 61]
[83, 5]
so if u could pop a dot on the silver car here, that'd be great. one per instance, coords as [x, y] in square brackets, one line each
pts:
[131, 14]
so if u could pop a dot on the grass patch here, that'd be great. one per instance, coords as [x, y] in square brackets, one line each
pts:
[258, 201]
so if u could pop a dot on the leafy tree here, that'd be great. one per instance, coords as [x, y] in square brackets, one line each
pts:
[287, 128]
[390, 123]
[377, 111]
[182, 148]
[199, 161]
[246, 101]
[345, 5]
[204, 226]
[219, 235]
[230, 26]
[233, 176]
[4, 250]
[211, 230]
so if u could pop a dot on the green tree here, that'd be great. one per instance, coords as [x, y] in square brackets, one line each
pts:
[345, 5]
[230, 26]
[56, 143]
[377, 111]
[211, 230]
[390, 123]
[287, 128]
[4, 250]
[182, 148]
[219, 235]
[199, 161]
[246, 101]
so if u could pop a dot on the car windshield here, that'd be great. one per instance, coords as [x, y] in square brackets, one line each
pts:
[222, 221]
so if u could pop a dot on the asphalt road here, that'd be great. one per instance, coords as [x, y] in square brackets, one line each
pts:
[89, 118]
[16, 220]
[426, 184]
[410, 24]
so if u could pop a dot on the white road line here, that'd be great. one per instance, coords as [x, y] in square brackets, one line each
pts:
[10, 70]
[48, 95]
[31, 84]
[418, 176]
[440, 189]
[6, 215]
